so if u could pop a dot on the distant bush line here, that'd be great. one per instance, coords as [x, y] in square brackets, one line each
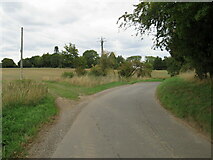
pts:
[70, 58]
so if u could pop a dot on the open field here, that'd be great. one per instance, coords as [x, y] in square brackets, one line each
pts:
[53, 73]
[34, 73]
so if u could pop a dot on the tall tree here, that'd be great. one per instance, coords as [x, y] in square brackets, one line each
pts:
[55, 60]
[173, 66]
[8, 63]
[70, 54]
[150, 59]
[91, 57]
[26, 63]
[46, 60]
[159, 64]
[183, 29]
[112, 60]
[134, 58]
[120, 60]
[36, 61]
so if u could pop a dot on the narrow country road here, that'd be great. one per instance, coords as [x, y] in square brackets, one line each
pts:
[129, 123]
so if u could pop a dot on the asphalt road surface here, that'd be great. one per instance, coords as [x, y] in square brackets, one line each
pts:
[129, 122]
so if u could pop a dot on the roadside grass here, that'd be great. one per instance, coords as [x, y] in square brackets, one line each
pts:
[189, 100]
[68, 90]
[23, 115]
[22, 93]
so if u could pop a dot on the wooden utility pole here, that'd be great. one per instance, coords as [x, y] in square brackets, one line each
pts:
[102, 45]
[21, 62]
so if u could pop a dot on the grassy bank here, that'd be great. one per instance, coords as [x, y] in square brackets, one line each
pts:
[190, 100]
[26, 106]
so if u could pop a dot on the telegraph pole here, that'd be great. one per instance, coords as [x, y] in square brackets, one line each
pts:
[102, 45]
[21, 62]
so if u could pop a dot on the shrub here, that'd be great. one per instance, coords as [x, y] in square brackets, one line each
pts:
[98, 71]
[80, 71]
[67, 74]
[144, 70]
[126, 70]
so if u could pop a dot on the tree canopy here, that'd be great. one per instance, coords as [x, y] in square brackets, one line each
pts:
[91, 57]
[183, 29]
[8, 63]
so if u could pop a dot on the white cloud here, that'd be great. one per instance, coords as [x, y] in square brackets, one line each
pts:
[48, 23]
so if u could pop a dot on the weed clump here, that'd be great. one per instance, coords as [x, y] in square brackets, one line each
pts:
[80, 71]
[98, 71]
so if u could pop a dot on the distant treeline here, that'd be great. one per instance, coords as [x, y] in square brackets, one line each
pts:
[69, 58]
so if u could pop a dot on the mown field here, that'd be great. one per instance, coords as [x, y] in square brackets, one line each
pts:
[30, 103]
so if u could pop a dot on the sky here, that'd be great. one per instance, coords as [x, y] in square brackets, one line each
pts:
[50, 23]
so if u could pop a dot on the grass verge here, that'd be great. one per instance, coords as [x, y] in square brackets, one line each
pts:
[188, 100]
[26, 106]
[71, 91]
[21, 123]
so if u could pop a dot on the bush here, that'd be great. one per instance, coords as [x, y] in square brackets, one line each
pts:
[126, 70]
[67, 74]
[80, 71]
[98, 71]
[144, 70]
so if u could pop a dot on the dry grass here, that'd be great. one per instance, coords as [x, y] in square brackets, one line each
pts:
[55, 73]
[91, 81]
[22, 93]
[160, 74]
[190, 76]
